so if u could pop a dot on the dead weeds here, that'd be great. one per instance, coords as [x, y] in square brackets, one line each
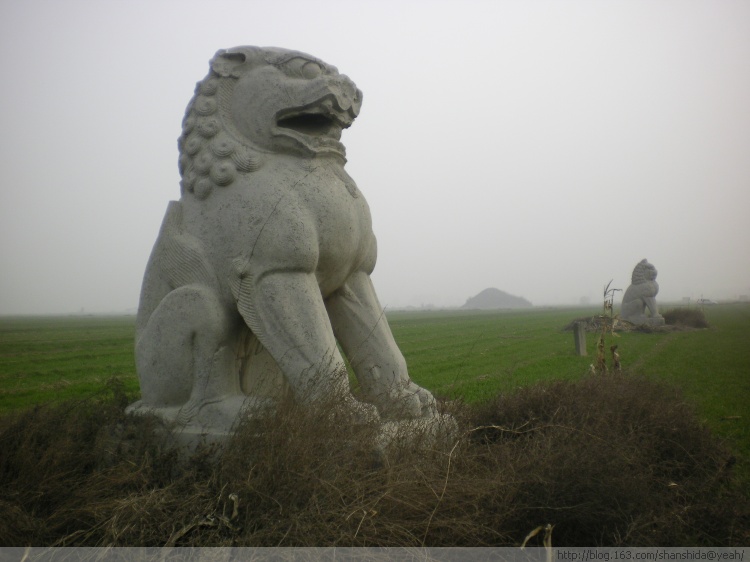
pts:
[614, 460]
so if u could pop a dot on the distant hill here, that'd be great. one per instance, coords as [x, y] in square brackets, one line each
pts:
[491, 299]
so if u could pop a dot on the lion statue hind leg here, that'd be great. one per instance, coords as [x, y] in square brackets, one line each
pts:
[185, 358]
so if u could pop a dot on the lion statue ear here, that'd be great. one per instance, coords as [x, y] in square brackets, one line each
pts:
[228, 63]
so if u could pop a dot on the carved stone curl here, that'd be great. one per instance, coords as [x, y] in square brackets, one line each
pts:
[640, 296]
[263, 266]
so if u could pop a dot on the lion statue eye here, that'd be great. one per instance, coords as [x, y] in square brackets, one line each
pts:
[311, 70]
[299, 67]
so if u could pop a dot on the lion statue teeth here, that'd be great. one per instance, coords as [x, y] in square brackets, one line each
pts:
[641, 295]
[262, 269]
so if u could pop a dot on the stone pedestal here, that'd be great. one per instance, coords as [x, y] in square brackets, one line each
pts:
[579, 334]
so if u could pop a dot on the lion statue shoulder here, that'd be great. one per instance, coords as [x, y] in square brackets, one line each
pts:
[641, 296]
[261, 271]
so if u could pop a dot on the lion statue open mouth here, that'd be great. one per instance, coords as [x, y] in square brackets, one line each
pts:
[262, 269]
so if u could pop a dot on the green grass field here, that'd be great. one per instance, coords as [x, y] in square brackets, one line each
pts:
[474, 355]
[612, 460]
[44, 359]
[456, 354]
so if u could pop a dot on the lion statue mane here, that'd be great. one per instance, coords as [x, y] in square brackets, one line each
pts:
[641, 295]
[261, 271]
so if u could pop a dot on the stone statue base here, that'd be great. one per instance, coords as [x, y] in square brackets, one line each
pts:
[424, 432]
[647, 321]
[211, 423]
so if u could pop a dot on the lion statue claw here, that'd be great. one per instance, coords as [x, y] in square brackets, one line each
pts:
[640, 296]
[262, 269]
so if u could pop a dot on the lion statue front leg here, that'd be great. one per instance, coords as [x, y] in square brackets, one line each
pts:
[299, 328]
[650, 304]
[285, 311]
[360, 326]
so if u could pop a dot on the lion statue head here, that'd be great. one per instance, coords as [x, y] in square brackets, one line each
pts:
[237, 116]
[643, 273]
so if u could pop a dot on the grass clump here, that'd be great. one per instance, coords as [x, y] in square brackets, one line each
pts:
[614, 460]
[686, 317]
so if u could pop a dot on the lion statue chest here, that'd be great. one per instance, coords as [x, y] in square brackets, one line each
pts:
[290, 215]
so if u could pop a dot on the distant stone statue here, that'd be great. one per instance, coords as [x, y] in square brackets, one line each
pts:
[641, 295]
[264, 263]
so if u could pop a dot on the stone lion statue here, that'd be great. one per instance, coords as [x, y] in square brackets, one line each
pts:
[641, 295]
[262, 269]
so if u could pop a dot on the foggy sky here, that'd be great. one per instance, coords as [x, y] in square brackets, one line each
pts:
[539, 147]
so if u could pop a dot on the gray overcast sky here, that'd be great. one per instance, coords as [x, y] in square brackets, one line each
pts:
[540, 147]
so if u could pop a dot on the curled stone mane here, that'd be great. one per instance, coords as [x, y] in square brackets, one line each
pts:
[212, 153]
[640, 273]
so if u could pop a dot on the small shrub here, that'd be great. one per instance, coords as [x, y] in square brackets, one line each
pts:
[610, 461]
[686, 317]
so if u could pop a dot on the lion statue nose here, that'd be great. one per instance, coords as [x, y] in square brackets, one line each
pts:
[349, 96]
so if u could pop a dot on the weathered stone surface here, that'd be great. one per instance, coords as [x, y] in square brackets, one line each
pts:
[264, 263]
[640, 296]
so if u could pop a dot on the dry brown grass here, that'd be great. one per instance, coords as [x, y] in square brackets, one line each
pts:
[607, 460]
